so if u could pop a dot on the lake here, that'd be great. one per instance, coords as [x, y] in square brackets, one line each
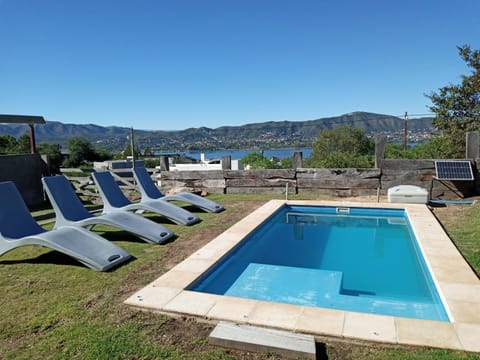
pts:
[240, 153]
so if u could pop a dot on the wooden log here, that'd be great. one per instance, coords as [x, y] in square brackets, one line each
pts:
[208, 185]
[254, 190]
[336, 173]
[340, 179]
[192, 175]
[226, 162]
[164, 163]
[472, 144]
[380, 142]
[338, 192]
[260, 174]
[407, 164]
[408, 176]
[193, 183]
[297, 160]
[260, 183]
[340, 183]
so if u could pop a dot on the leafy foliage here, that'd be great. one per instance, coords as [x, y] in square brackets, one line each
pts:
[81, 151]
[438, 147]
[342, 147]
[457, 107]
[23, 144]
[10, 145]
[256, 160]
[148, 151]
[53, 152]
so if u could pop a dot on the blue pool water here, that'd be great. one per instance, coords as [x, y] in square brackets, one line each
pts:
[356, 259]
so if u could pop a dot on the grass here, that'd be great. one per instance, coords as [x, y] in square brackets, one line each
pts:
[466, 236]
[54, 308]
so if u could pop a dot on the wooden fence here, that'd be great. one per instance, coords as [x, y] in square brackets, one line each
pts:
[338, 182]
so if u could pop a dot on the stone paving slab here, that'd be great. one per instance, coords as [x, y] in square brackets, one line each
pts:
[252, 338]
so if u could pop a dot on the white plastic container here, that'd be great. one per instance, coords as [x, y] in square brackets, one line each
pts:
[408, 194]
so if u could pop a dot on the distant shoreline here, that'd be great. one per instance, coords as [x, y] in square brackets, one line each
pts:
[280, 153]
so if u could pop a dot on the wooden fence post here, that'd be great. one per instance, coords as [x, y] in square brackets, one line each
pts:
[226, 162]
[297, 160]
[472, 145]
[380, 142]
[164, 164]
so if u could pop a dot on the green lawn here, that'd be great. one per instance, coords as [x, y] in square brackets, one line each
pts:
[54, 308]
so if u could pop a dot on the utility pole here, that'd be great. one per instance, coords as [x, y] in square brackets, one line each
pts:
[405, 125]
[132, 144]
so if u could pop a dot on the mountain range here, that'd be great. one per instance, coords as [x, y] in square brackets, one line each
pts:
[258, 135]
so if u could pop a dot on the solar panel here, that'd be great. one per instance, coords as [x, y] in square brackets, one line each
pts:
[453, 170]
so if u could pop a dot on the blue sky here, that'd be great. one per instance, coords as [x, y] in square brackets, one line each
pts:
[166, 65]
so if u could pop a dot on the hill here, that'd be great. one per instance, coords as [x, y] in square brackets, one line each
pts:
[259, 135]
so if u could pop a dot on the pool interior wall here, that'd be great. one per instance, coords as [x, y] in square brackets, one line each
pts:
[348, 258]
[458, 285]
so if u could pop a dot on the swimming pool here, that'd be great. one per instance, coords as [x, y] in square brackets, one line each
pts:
[347, 258]
[456, 282]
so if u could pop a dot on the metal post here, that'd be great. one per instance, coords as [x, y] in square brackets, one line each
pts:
[33, 148]
[405, 125]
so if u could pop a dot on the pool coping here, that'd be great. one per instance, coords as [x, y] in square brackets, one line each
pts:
[458, 286]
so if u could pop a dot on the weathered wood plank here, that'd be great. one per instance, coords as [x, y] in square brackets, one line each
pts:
[337, 173]
[407, 164]
[255, 190]
[259, 183]
[191, 175]
[260, 174]
[339, 183]
[338, 178]
[338, 192]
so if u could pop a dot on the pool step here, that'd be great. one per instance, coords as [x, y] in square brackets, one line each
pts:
[314, 286]
[252, 338]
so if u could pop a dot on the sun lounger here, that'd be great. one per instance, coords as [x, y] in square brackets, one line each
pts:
[150, 192]
[18, 228]
[114, 200]
[70, 211]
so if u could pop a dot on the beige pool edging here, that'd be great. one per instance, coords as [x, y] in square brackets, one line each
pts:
[457, 284]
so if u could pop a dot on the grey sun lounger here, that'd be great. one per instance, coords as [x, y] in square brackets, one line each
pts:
[19, 228]
[150, 192]
[114, 200]
[69, 211]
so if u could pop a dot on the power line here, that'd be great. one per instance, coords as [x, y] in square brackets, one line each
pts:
[428, 114]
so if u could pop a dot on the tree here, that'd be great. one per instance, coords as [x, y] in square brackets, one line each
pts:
[80, 151]
[23, 144]
[457, 107]
[128, 151]
[256, 160]
[148, 152]
[53, 152]
[8, 144]
[344, 146]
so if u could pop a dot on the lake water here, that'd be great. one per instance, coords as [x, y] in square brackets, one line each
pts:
[240, 153]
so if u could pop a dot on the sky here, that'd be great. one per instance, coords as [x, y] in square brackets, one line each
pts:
[177, 64]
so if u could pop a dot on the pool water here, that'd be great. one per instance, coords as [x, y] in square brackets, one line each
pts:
[356, 259]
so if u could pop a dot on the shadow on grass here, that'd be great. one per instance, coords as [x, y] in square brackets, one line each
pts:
[115, 236]
[54, 258]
